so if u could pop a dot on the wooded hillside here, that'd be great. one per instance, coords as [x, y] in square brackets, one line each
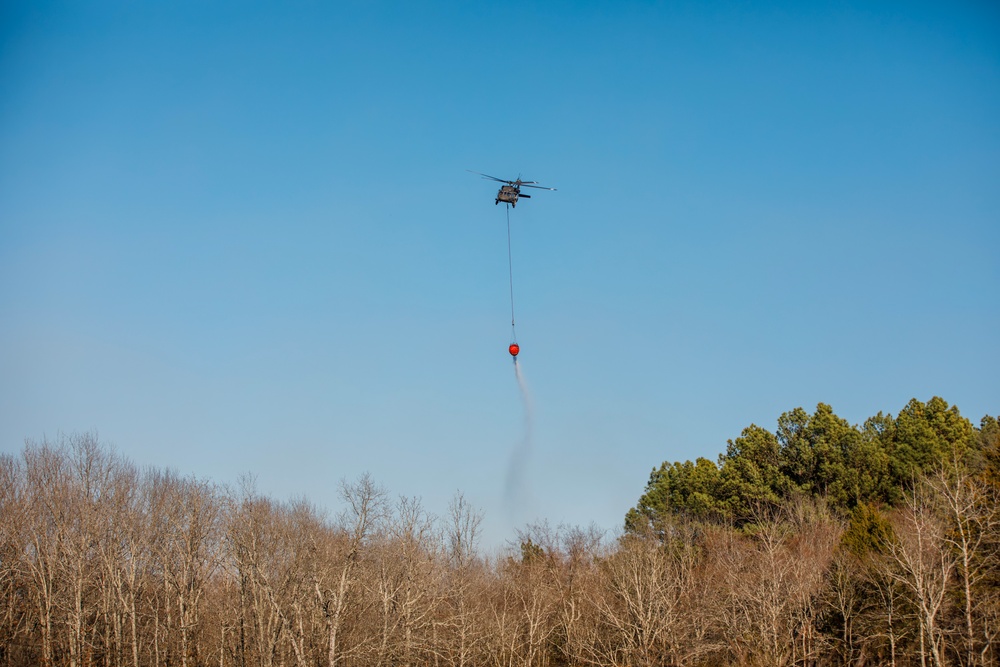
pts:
[820, 544]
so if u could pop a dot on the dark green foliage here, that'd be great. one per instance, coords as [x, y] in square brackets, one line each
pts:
[531, 552]
[989, 445]
[691, 486]
[926, 434]
[752, 473]
[868, 532]
[825, 456]
[819, 455]
[872, 467]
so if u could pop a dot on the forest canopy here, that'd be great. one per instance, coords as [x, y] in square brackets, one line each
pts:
[818, 456]
[819, 545]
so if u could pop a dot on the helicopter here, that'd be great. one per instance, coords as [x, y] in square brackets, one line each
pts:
[510, 192]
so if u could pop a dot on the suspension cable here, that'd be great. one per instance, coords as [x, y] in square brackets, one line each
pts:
[510, 267]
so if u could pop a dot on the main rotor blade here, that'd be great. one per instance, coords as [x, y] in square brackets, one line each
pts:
[499, 180]
[540, 187]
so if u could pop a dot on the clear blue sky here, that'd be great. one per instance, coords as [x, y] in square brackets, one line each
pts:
[240, 236]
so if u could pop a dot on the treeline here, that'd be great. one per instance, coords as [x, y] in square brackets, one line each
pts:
[899, 520]
[821, 456]
[104, 564]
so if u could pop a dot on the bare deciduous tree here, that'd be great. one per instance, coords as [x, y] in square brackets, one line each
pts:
[13, 536]
[971, 508]
[188, 528]
[772, 579]
[464, 571]
[334, 569]
[924, 565]
[648, 580]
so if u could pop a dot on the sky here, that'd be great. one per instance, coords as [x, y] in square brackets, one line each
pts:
[241, 237]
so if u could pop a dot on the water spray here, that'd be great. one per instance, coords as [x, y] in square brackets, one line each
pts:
[517, 489]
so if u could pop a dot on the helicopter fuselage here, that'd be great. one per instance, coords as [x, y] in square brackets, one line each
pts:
[510, 191]
[509, 194]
